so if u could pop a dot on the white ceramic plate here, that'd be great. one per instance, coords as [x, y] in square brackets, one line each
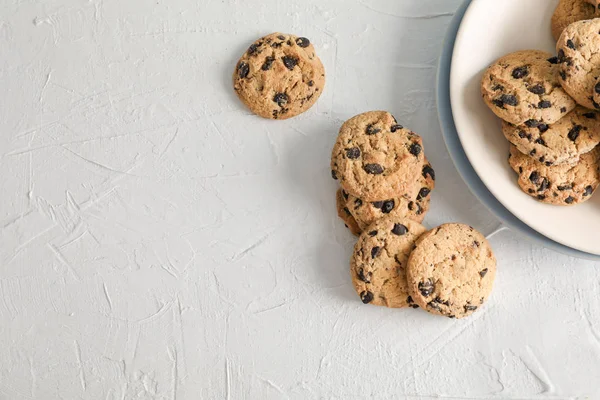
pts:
[490, 30]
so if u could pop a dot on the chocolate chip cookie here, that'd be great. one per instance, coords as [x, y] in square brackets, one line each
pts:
[410, 205]
[560, 143]
[280, 76]
[524, 88]
[579, 55]
[378, 265]
[375, 158]
[562, 185]
[569, 11]
[341, 198]
[451, 271]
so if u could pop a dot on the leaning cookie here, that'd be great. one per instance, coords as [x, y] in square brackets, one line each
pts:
[378, 265]
[524, 87]
[579, 55]
[341, 198]
[569, 11]
[375, 158]
[560, 143]
[561, 185]
[413, 205]
[451, 271]
[280, 76]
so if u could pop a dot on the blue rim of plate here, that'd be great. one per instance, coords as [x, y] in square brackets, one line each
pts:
[460, 159]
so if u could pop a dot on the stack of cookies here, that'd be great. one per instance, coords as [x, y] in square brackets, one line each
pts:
[386, 182]
[553, 127]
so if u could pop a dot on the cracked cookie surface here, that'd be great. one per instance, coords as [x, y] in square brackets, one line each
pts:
[451, 271]
[569, 11]
[378, 265]
[563, 184]
[375, 158]
[279, 76]
[524, 87]
[560, 143]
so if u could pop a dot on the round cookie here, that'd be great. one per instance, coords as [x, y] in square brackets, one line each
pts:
[378, 265]
[560, 143]
[413, 206]
[561, 185]
[569, 11]
[280, 76]
[579, 55]
[341, 197]
[524, 87]
[374, 158]
[451, 271]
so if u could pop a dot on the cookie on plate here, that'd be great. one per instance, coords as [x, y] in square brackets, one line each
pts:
[378, 265]
[375, 158]
[579, 55]
[569, 11]
[413, 206]
[280, 76]
[562, 185]
[560, 143]
[524, 87]
[341, 198]
[451, 271]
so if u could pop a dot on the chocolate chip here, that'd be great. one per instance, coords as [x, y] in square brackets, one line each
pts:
[281, 37]
[524, 135]
[590, 115]
[303, 42]
[373, 169]
[544, 104]
[440, 301]
[281, 99]
[334, 175]
[347, 211]
[509, 99]
[428, 170]
[563, 110]
[497, 87]
[520, 72]
[375, 251]
[596, 105]
[569, 200]
[252, 50]
[553, 60]
[268, 63]
[423, 193]
[538, 89]
[353, 153]
[588, 191]
[344, 194]
[377, 204]
[388, 206]
[532, 152]
[541, 197]
[399, 230]
[415, 149]
[597, 88]
[476, 243]
[357, 203]
[311, 83]
[543, 128]
[426, 288]
[289, 62]
[483, 272]
[544, 185]
[243, 70]
[470, 308]
[395, 128]
[561, 55]
[434, 305]
[571, 45]
[532, 123]
[366, 278]
[372, 130]
[534, 177]
[366, 297]
[563, 75]
[373, 233]
[574, 133]
[565, 187]
[540, 141]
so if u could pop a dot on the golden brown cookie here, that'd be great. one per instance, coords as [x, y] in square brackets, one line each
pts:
[451, 271]
[524, 88]
[579, 55]
[413, 205]
[378, 265]
[560, 143]
[375, 158]
[561, 185]
[280, 76]
[345, 214]
[569, 11]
